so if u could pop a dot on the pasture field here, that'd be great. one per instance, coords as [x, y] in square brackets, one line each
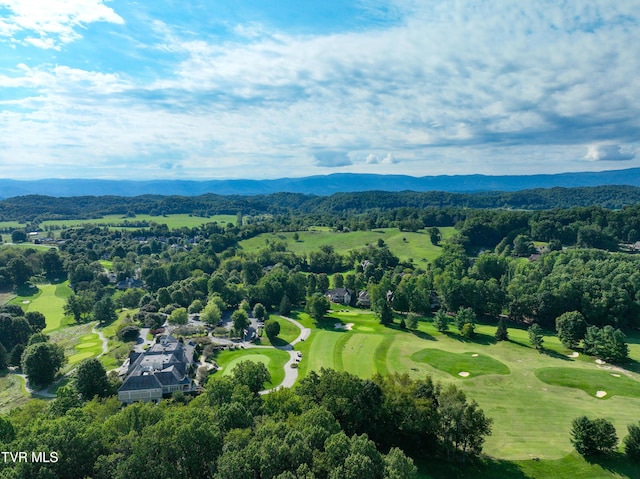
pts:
[404, 244]
[120, 221]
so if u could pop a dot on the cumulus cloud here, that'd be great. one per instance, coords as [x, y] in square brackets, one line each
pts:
[55, 22]
[607, 153]
[331, 158]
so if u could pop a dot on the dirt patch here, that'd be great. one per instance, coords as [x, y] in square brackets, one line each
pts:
[464, 374]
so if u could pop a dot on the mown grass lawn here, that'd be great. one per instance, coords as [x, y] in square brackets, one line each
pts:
[460, 365]
[613, 382]
[49, 299]
[273, 359]
[531, 418]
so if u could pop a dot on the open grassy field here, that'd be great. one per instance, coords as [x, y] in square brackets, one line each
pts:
[273, 359]
[532, 418]
[288, 332]
[118, 221]
[49, 299]
[406, 245]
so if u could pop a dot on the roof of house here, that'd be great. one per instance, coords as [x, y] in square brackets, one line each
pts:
[164, 364]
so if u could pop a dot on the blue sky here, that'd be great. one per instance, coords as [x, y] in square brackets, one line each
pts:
[205, 89]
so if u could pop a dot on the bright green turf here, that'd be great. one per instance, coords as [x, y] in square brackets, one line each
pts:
[591, 381]
[453, 363]
[571, 466]
[288, 332]
[172, 221]
[417, 245]
[531, 418]
[273, 359]
[49, 299]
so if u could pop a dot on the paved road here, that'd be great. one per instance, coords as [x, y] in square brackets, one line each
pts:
[290, 374]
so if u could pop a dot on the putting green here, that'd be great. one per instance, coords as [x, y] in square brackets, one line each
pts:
[465, 365]
[87, 345]
[80, 356]
[593, 382]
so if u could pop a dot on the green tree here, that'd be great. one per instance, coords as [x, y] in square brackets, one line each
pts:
[240, 320]
[523, 246]
[272, 328]
[571, 327]
[104, 311]
[441, 321]
[465, 316]
[468, 330]
[211, 313]
[338, 280]
[179, 316]
[632, 442]
[41, 362]
[317, 306]
[36, 320]
[386, 314]
[4, 358]
[593, 436]
[412, 321]
[7, 431]
[196, 306]
[536, 336]
[251, 374]
[18, 236]
[502, 334]
[259, 311]
[285, 306]
[434, 235]
[398, 465]
[91, 380]
[19, 270]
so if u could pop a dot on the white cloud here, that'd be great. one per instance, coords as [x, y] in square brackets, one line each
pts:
[457, 87]
[607, 153]
[55, 21]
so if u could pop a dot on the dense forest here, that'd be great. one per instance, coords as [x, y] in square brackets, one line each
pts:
[38, 208]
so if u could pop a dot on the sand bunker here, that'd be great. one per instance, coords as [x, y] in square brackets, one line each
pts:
[475, 355]
[26, 301]
[464, 374]
[601, 394]
[347, 326]
[615, 375]
[600, 361]
[574, 355]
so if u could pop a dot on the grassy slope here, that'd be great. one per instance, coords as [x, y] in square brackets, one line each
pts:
[417, 245]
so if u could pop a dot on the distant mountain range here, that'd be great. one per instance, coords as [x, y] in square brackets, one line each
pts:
[316, 185]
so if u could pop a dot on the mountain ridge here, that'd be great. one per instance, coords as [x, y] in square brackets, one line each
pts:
[322, 185]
